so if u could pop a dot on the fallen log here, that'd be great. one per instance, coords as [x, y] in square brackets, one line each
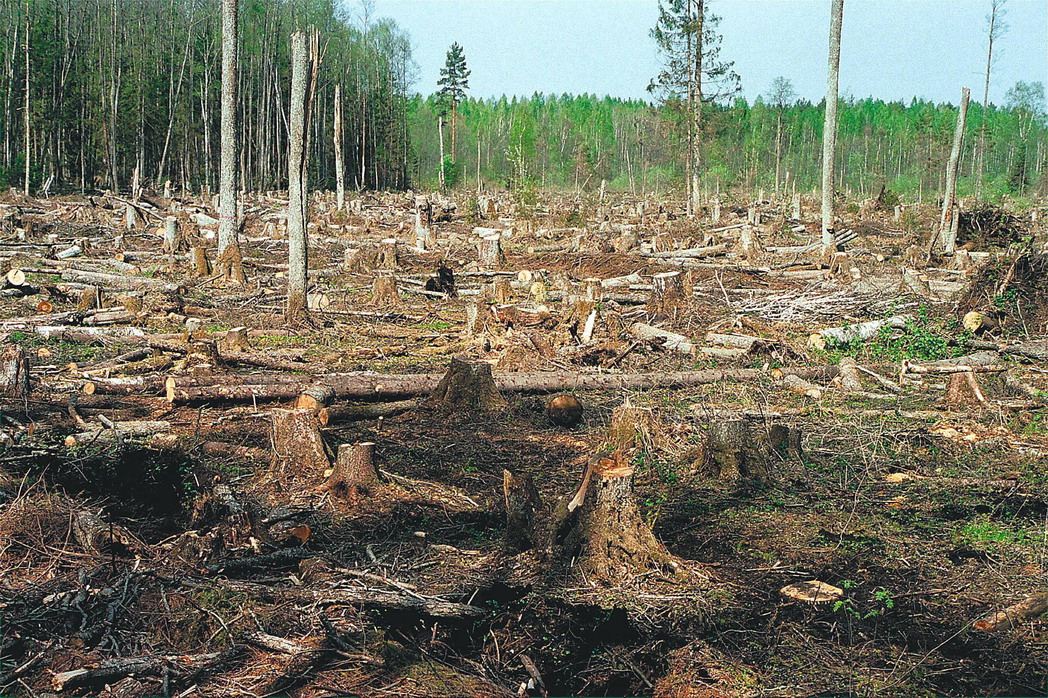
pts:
[110, 669]
[849, 333]
[379, 387]
[119, 281]
[1028, 608]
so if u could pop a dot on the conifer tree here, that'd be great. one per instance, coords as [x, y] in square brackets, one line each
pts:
[454, 81]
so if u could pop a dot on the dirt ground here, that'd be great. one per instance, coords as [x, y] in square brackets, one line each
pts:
[926, 513]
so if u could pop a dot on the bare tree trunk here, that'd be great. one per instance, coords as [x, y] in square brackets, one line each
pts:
[229, 188]
[27, 97]
[298, 251]
[994, 28]
[340, 170]
[695, 141]
[947, 226]
[829, 135]
[440, 134]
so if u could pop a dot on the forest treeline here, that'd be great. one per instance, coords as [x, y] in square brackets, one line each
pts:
[116, 85]
[119, 86]
[569, 141]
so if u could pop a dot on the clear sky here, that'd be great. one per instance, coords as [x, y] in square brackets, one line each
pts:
[893, 49]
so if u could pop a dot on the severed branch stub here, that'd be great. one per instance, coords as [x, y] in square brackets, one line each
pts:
[467, 387]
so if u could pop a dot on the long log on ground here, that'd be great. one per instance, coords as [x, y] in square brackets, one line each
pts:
[119, 281]
[1028, 608]
[858, 332]
[371, 598]
[106, 671]
[379, 387]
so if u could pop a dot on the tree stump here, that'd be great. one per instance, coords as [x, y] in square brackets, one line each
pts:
[501, 292]
[90, 298]
[522, 504]
[605, 533]
[354, 473]
[564, 411]
[851, 380]
[171, 237]
[631, 427]
[749, 243]
[235, 341]
[201, 264]
[14, 372]
[733, 453]
[490, 251]
[963, 390]
[201, 357]
[231, 265]
[298, 447]
[388, 256]
[384, 291]
[667, 295]
[468, 387]
[539, 293]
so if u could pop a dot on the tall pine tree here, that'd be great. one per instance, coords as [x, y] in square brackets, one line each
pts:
[454, 81]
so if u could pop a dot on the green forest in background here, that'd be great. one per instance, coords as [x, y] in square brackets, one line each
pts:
[117, 86]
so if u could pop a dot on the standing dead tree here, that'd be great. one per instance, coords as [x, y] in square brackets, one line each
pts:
[948, 220]
[829, 134]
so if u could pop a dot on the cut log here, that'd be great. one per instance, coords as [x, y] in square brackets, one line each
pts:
[466, 388]
[1028, 608]
[119, 281]
[298, 447]
[522, 504]
[851, 333]
[337, 414]
[670, 341]
[355, 473]
[110, 670]
[315, 398]
[564, 411]
[15, 277]
[800, 386]
[851, 379]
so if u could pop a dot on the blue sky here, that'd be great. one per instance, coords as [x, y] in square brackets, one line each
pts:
[893, 49]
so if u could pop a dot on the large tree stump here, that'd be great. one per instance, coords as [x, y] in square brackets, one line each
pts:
[733, 453]
[388, 255]
[355, 473]
[14, 372]
[298, 447]
[201, 264]
[606, 535]
[667, 295]
[467, 387]
[522, 504]
[490, 251]
[963, 390]
[384, 291]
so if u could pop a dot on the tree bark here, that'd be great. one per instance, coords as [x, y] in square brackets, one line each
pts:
[298, 248]
[829, 135]
[467, 388]
[947, 224]
[340, 168]
[298, 447]
[354, 474]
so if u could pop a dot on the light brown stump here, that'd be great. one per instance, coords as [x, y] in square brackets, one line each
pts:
[298, 447]
[388, 256]
[501, 292]
[384, 291]
[355, 473]
[490, 251]
[468, 387]
[631, 427]
[235, 341]
[90, 298]
[607, 537]
[201, 264]
[733, 453]
[667, 295]
[963, 390]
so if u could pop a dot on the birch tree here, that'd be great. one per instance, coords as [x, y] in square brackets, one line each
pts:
[298, 249]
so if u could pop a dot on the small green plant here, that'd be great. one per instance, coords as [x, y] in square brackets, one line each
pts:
[984, 532]
[881, 596]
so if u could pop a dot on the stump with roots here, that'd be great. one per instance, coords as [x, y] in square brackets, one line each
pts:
[201, 357]
[201, 264]
[522, 504]
[355, 473]
[388, 258]
[603, 530]
[733, 452]
[384, 291]
[235, 341]
[668, 298]
[631, 427]
[231, 265]
[468, 387]
[298, 447]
